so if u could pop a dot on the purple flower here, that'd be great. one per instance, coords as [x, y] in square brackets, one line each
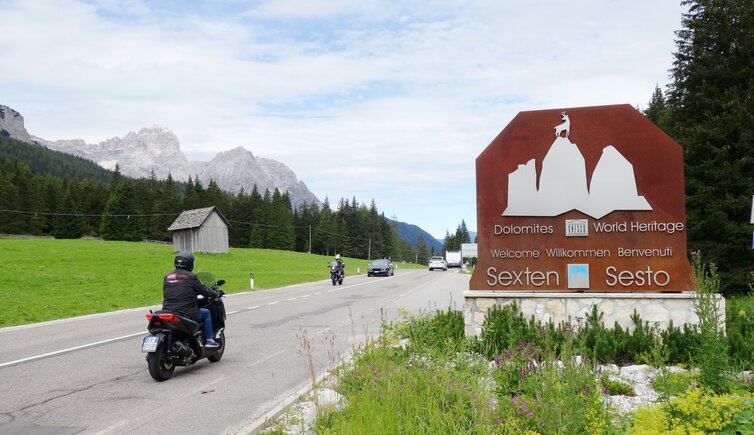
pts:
[588, 391]
[606, 390]
[530, 415]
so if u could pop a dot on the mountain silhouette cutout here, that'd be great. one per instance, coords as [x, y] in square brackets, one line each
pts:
[563, 184]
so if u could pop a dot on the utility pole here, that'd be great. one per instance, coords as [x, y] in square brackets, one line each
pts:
[310, 239]
[369, 252]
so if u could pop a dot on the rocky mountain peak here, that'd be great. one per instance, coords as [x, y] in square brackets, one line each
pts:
[12, 124]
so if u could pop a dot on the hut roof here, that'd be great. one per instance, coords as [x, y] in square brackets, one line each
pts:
[195, 218]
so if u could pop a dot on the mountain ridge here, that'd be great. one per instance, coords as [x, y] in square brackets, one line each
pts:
[156, 150]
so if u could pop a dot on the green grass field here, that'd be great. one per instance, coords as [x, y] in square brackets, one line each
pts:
[48, 279]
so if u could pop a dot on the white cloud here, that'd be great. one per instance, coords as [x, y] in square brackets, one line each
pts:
[404, 95]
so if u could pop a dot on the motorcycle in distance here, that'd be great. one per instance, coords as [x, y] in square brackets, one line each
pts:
[176, 340]
[336, 273]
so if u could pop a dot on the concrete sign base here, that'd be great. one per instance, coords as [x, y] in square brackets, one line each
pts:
[656, 308]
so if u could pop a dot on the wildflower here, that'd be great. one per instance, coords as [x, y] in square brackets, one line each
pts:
[530, 414]
[606, 390]
[587, 390]
[500, 421]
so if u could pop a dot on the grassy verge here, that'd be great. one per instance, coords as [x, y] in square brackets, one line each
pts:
[51, 279]
[440, 382]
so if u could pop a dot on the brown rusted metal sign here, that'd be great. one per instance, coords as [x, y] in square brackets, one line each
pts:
[581, 199]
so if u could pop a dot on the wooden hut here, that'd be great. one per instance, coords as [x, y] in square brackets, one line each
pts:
[200, 230]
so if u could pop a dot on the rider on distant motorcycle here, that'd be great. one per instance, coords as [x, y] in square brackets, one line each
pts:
[179, 291]
[341, 264]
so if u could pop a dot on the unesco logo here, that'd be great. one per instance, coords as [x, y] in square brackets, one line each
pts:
[577, 227]
[578, 276]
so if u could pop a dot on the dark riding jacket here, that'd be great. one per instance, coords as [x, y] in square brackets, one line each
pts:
[179, 290]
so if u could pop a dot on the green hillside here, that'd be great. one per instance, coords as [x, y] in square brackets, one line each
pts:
[47, 279]
[44, 161]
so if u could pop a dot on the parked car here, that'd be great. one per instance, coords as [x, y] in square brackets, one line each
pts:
[437, 263]
[383, 266]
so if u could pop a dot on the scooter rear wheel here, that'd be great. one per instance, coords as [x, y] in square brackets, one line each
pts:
[159, 367]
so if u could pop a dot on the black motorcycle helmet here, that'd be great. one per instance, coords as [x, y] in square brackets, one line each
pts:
[185, 261]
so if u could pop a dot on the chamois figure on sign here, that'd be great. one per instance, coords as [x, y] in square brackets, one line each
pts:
[565, 126]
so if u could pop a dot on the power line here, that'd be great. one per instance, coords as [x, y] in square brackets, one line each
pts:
[44, 213]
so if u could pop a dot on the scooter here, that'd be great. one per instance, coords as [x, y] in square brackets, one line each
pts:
[176, 340]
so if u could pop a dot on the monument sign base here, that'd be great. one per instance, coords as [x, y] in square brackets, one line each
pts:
[656, 308]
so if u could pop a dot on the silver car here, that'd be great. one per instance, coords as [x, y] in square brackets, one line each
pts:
[382, 266]
[437, 263]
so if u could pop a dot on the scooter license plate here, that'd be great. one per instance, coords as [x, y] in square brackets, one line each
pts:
[150, 343]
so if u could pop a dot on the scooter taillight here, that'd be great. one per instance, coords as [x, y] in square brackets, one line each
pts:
[170, 318]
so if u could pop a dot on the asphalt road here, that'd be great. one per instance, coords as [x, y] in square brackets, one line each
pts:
[88, 375]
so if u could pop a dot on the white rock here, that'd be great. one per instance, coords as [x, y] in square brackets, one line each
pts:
[326, 398]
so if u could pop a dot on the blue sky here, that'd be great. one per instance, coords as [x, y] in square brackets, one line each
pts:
[390, 101]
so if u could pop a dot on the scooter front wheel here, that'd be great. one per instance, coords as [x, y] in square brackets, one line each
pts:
[215, 357]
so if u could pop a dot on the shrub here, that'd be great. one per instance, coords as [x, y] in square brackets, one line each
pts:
[692, 412]
[739, 321]
[503, 328]
[712, 356]
[668, 384]
[542, 396]
[441, 331]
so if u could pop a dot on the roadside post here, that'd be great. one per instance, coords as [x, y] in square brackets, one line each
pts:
[251, 280]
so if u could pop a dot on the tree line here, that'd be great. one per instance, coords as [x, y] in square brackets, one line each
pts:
[708, 108]
[142, 209]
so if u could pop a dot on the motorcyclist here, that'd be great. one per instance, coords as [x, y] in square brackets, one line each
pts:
[179, 290]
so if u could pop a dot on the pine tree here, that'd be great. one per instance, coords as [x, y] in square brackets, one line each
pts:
[10, 221]
[262, 221]
[280, 234]
[656, 111]
[711, 114]
[69, 223]
[422, 255]
[120, 220]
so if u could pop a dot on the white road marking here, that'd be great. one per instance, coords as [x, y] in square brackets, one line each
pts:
[267, 358]
[273, 303]
[254, 307]
[71, 349]
[305, 296]
[291, 299]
